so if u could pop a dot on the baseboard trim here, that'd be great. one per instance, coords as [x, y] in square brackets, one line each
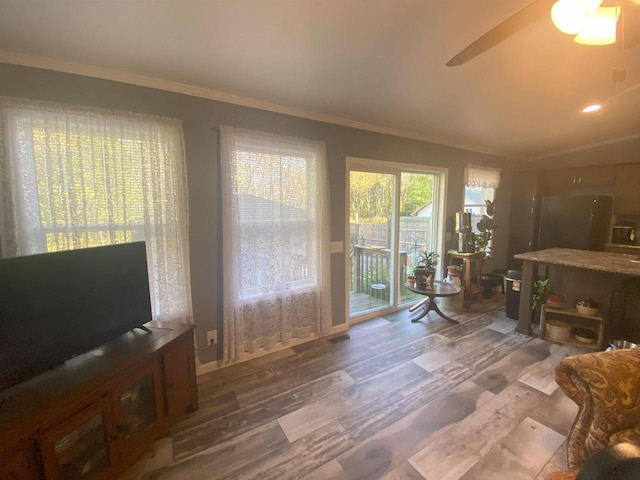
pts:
[280, 350]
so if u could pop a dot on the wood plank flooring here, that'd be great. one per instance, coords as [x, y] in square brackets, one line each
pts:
[389, 400]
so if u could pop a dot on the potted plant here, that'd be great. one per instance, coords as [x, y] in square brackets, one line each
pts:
[539, 295]
[428, 260]
[455, 270]
[426, 267]
[411, 278]
[486, 225]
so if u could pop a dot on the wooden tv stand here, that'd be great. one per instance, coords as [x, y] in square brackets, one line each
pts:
[94, 415]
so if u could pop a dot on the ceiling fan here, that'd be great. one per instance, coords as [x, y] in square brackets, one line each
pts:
[626, 28]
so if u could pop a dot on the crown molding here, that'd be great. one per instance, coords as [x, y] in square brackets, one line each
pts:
[190, 90]
[583, 148]
[185, 89]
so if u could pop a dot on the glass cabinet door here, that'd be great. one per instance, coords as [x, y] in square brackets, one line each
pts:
[81, 447]
[137, 408]
[83, 452]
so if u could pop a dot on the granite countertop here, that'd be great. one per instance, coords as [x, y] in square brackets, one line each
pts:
[602, 261]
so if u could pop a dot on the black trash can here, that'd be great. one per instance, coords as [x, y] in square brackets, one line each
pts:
[489, 281]
[513, 293]
[503, 274]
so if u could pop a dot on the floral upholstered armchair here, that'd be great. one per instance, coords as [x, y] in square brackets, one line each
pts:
[606, 388]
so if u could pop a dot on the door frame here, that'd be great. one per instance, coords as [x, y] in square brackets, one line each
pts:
[395, 168]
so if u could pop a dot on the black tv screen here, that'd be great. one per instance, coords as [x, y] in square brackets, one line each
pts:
[54, 306]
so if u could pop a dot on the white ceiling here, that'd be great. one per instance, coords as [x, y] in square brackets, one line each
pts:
[378, 64]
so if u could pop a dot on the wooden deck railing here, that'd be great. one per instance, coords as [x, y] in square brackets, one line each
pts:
[373, 265]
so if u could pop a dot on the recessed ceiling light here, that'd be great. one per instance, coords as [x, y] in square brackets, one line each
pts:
[592, 108]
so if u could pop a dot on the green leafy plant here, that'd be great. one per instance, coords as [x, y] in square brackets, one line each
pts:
[540, 291]
[486, 225]
[428, 260]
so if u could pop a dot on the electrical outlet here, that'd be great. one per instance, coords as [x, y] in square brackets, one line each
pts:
[212, 337]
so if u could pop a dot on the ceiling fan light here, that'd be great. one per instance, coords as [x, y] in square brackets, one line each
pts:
[572, 16]
[601, 29]
[594, 107]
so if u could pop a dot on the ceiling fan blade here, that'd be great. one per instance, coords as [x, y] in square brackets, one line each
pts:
[502, 31]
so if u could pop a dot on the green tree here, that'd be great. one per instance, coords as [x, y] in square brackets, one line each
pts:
[417, 190]
[371, 194]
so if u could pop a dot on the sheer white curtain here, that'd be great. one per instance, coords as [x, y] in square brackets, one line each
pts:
[479, 194]
[73, 177]
[484, 177]
[275, 240]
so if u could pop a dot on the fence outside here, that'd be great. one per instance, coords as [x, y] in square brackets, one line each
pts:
[369, 249]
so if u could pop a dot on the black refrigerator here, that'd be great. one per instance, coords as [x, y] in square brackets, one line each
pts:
[574, 221]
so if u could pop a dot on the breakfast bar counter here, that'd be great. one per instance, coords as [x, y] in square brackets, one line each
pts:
[611, 266]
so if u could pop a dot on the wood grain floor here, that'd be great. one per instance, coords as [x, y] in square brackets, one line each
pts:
[389, 400]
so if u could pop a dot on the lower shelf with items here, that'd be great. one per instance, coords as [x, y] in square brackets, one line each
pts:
[560, 325]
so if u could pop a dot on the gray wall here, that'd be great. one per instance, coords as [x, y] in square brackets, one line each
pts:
[201, 118]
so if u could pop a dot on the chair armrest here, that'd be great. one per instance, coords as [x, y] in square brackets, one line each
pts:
[606, 388]
[626, 436]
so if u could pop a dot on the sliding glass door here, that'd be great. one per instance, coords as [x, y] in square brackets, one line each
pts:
[395, 213]
[371, 240]
[418, 225]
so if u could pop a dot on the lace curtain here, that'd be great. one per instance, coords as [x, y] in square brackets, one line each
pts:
[484, 177]
[73, 177]
[275, 241]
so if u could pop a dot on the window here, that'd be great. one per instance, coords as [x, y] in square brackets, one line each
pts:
[479, 194]
[275, 240]
[277, 210]
[475, 202]
[80, 178]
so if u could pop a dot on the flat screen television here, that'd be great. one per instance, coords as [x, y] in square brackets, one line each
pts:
[54, 306]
